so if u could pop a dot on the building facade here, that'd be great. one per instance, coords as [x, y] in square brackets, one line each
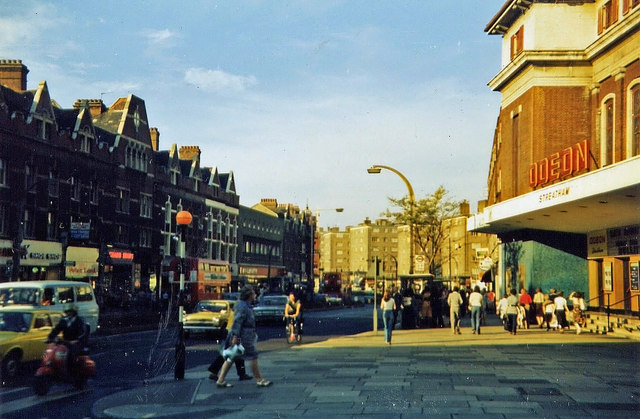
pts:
[86, 194]
[564, 174]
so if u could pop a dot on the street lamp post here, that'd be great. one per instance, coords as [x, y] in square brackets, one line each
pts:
[376, 169]
[375, 293]
[183, 219]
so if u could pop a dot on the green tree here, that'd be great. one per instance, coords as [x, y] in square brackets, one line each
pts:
[428, 219]
[513, 252]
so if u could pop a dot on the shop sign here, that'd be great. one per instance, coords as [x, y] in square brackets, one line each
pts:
[597, 243]
[40, 253]
[635, 280]
[82, 270]
[80, 231]
[559, 165]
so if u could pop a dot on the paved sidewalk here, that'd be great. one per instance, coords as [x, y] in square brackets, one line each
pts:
[426, 372]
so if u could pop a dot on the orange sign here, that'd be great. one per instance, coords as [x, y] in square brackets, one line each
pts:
[559, 165]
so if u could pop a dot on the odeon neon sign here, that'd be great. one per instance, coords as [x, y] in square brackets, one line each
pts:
[559, 165]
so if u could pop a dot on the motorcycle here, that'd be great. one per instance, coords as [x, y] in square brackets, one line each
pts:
[294, 334]
[55, 367]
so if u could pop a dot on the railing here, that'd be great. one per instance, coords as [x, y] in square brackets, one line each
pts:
[608, 305]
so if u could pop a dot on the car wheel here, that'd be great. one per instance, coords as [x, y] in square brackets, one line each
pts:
[10, 366]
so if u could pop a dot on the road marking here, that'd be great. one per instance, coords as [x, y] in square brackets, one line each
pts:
[31, 401]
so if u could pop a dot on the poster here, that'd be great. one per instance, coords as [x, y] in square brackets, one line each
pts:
[608, 280]
[635, 280]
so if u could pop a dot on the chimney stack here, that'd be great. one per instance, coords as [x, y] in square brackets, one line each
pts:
[96, 106]
[13, 74]
[155, 138]
[189, 152]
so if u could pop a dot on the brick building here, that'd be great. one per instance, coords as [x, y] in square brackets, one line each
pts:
[564, 174]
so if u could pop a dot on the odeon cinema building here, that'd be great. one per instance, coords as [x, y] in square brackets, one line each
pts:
[564, 174]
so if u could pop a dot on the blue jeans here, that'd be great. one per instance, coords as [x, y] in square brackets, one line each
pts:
[387, 317]
[476, 312]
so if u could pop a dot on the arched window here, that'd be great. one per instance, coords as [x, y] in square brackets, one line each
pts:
[607, 118]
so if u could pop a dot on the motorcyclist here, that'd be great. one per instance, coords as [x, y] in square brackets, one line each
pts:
[293, 311]
[75, 333]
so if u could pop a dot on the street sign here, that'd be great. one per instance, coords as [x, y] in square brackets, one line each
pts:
[486, 264]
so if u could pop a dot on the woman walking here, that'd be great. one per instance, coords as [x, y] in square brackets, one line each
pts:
[244, 331]
[388, 305]
[579, 307]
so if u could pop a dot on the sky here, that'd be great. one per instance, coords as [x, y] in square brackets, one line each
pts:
[296, 98]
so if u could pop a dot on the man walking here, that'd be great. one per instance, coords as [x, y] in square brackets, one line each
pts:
[454, 300]
[476, 302]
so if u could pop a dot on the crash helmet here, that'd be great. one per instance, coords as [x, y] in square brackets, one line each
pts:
[70, 307]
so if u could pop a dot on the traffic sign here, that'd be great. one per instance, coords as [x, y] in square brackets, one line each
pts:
[486, 264]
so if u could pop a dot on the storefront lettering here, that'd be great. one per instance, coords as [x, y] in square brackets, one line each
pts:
[554, 194]
[559, 165]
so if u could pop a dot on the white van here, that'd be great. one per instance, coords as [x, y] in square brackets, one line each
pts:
[53, 295]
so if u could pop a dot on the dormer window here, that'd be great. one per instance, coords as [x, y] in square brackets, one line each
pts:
[85, 141]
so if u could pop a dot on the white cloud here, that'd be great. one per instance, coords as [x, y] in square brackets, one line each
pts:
[217, 80]
[159, 36]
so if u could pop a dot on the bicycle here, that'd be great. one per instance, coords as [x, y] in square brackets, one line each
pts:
[293, 333]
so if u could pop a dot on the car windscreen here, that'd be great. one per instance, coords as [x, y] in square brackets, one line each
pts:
[15, 322]
[19, 295]
[274, 301]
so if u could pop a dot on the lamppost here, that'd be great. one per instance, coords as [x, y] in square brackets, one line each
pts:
[376, 261]
[183, 219]
[377, 168]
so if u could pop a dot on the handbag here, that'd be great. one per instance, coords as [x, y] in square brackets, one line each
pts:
[232, 352]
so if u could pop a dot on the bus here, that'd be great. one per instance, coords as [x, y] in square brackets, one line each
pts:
[204, 279]
[332, 286]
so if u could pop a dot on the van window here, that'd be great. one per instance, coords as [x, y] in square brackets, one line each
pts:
[83, 294]
[18, 295]
[47, 297]
[65, 295]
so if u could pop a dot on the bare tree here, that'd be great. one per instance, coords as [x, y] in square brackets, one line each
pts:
[428, 219]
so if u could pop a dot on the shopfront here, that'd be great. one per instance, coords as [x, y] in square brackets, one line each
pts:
[39, 260]
[614, 259]
[82, 264]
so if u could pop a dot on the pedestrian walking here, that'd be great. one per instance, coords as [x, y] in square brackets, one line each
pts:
[501, 311]
[512, 311]
[538, 300]
[388, 305]
[397, 297]
[579, 307]
[526, 301]
[549, 311]
[244, 331]
[455, 302]
[217, 363]
[561, 305]
[475, 306]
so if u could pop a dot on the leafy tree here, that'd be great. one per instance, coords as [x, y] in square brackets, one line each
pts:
[512, 253]
[428, 219]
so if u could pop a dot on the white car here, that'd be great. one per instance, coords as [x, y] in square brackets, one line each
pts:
[270, 308]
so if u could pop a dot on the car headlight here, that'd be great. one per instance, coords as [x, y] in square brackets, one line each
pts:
[216, 321]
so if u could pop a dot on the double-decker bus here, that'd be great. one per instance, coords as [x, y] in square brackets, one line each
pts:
[204, 279]
[332, 286]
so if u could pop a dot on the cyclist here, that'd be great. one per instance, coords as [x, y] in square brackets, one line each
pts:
[293, 313]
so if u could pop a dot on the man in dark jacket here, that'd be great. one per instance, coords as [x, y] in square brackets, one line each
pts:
[75, 333]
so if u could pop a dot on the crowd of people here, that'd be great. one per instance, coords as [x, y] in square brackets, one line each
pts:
[516, 310]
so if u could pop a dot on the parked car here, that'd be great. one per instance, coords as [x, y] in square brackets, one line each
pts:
[334, 299]
[209, 316]
[23, 332]
[270, 308]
